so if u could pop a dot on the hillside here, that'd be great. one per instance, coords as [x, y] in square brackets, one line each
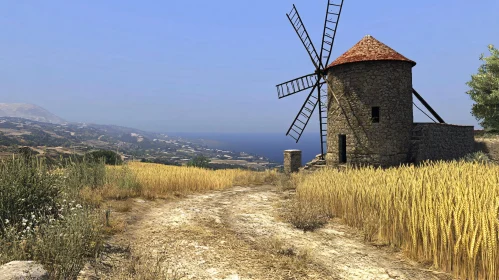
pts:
[55, 140]
[28, 111]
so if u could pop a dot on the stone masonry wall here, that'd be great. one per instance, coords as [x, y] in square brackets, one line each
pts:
[360, 86]
[435, 141]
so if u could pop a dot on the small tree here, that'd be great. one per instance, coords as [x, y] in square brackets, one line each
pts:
[485, 91]
[199, 161]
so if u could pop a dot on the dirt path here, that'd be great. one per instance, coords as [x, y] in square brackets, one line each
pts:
[237, 234]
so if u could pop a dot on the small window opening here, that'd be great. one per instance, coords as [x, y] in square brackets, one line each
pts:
[375, 115]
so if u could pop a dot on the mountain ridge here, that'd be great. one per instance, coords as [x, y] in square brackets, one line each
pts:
[30, 112]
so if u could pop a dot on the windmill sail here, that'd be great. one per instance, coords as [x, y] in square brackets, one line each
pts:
[333, 13]
[298, 126]
[297, 23]
[296, 85]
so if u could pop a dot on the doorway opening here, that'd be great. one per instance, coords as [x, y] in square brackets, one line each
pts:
[342, 148]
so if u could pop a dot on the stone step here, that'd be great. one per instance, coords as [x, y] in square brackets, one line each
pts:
[313, 162]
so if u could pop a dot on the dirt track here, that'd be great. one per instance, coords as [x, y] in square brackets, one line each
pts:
[238, 234]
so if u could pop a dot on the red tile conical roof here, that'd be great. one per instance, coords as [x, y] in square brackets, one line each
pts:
[369, 49]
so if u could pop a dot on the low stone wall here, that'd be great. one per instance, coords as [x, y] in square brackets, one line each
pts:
[436, 141]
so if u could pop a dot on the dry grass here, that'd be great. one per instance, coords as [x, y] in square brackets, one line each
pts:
[289, 181]
[445, 213]
[143, 266]
[278, 246]
[305, 215]
[120, 205]
[113, 224]
[286, 256]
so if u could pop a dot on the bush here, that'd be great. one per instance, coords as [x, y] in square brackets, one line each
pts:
[27, 152]
[306, 216]
[477, 157]
[110, 157]
[87, 173]
[64, 246]
[41, 217]
[61, 245]
[26, 189]
[199, 161]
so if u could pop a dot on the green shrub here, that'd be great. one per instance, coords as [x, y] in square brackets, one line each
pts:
[84, 173]
[61, 245]
[27, 152]
[199, 161]
[64, 246]
[123, 178]
[477, 157]
[110, 157]
[26, 189]
[42, 218]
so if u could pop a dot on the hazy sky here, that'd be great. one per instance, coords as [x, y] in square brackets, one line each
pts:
[212, 66]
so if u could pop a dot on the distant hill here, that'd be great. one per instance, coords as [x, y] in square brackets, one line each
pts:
[59, 140]
[25, 132]
[28, 111]
[26, 125]
[66, 138]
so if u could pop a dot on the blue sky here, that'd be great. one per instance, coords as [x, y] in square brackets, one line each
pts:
[212, 66]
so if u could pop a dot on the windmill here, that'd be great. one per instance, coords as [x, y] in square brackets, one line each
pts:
[316, 80]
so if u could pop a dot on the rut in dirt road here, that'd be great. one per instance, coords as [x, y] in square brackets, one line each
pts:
[238, 234]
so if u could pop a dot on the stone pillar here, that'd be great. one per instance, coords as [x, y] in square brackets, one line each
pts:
[292, 160]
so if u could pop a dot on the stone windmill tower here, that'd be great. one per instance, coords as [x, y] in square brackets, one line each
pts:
[370, 113]
[365, 104]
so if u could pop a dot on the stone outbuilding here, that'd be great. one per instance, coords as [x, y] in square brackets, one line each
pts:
[370, 112]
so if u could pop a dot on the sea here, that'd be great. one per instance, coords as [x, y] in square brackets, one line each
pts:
[269, 145]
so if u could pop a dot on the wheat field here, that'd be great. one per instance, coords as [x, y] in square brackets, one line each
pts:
[157, 180]
[443, 213]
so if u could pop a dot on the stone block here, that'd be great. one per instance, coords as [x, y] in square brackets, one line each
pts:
[292, 161]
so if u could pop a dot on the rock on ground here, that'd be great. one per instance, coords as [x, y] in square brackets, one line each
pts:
[20, 270]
